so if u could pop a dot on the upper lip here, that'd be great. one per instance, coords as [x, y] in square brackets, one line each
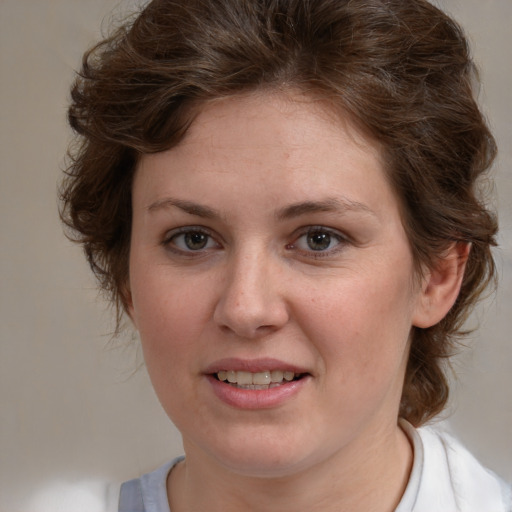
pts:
[252, 365]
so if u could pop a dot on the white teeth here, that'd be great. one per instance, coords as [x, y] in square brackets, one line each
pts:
[243, 378]
[276, 376]
[265, 379]
[261, 378]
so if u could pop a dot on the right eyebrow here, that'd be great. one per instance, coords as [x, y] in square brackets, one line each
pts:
[189, 207]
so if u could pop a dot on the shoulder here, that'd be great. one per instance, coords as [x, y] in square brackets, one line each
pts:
[147, 493]
[451, 479]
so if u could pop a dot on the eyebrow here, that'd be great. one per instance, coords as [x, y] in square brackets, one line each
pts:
[334, 205]
[187, 206]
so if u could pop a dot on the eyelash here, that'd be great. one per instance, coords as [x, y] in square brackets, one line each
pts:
[169, 241]
[341, 240]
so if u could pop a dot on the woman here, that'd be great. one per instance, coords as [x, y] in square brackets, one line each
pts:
[282, 197]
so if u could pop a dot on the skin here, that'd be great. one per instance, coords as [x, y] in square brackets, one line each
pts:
[252, 177]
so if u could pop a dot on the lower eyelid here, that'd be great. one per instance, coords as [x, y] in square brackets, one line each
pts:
[170, 236]
[341, 240]
[208, 241]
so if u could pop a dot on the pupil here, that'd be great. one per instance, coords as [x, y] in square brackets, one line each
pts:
[195, 240]
[319, 241]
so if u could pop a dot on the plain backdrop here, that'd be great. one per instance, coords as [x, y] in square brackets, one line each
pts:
[73, 410]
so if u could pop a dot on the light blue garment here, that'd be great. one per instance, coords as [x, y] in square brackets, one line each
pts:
[147, 493]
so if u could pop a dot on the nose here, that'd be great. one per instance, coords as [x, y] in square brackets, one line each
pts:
[251, 303]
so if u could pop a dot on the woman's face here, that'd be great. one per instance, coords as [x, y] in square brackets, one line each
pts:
[268, 246]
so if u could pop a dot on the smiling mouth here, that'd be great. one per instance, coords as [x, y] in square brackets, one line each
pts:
[258, 380]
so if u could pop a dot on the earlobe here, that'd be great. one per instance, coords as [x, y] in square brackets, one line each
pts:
[441, 285]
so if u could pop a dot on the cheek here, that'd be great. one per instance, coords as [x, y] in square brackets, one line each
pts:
[362, 325]
[169, 320]
[169, 314]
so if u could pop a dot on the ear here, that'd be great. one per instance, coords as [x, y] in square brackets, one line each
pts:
[441, 285]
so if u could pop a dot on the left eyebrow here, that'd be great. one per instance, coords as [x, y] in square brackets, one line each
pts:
[335, 205]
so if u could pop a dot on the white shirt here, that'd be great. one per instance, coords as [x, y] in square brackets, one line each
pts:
[445, 477]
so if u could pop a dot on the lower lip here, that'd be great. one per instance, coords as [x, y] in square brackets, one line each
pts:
[256, 398]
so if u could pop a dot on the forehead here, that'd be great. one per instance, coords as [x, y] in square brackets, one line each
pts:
[280, 118]
[267, 150]
[268, 125]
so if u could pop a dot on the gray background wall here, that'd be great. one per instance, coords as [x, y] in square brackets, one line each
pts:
[73, 413]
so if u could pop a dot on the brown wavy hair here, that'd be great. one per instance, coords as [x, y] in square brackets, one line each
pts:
[401, 69]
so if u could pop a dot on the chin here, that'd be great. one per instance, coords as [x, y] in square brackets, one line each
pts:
[265, 456]
[264, 468]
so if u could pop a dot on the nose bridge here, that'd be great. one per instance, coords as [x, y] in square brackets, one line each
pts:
[250, 303]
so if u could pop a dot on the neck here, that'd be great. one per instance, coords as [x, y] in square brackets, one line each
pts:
[370, 476]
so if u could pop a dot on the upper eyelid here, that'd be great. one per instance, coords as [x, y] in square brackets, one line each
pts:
[299, 232]
[332, 231]
[343, 242]
[169, 234]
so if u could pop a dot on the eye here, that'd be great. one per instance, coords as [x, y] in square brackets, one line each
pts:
[190, 240]
[318, 239]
